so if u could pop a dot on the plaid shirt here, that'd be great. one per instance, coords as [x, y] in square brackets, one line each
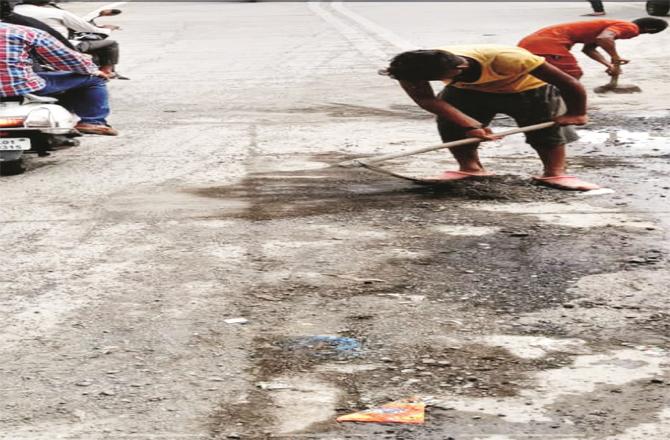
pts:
[20, 45]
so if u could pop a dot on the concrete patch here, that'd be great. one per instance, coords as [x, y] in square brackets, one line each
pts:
[574, 215]
[647, 431]
[308, 401]
[609, 299]
[582, 377]
[152, 203]
[347, 368]
[534, 347]
[466, 230]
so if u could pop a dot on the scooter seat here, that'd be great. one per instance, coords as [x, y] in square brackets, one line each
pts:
[29, 98]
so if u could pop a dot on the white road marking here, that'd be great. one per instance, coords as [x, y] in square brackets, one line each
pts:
[361, 41]
[374, 28]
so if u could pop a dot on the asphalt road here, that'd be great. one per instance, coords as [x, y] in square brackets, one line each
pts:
[525, 312]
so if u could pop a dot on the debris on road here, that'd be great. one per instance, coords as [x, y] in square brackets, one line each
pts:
[407, 411]
[325, 345]
[236, 321]
[271, 386]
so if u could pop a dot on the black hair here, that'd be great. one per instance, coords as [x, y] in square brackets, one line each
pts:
[649, 25]
[421, 65]
[6, 8]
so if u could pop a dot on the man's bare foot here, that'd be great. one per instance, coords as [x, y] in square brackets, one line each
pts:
[449, 176]
[569, 183]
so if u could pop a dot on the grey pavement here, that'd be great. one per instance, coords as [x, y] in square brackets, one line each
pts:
[523, 312]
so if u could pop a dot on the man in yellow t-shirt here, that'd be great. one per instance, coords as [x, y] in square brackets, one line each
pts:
[484, 80]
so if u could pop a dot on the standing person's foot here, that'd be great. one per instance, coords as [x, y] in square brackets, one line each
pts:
[100, 129]
[594, 14]
[568, 183]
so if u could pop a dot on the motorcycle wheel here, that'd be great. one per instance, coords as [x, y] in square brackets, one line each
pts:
[11, 168]
[658, 7]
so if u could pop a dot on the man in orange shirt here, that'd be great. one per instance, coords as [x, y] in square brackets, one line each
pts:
[554, 42]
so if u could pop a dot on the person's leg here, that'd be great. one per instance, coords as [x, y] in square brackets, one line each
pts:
[105, 51]
[84, 95]
[598, 8]
[474, 105]
[542, 105]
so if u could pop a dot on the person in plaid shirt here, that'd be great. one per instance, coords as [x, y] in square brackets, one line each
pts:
[77, 82]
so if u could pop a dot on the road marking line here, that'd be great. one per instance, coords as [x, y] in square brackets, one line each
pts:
[374, 28]
[362, 42]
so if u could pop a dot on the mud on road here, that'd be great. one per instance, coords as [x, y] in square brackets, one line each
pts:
[490, 294]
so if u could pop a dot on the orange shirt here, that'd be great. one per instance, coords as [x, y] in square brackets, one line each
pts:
[560, 38]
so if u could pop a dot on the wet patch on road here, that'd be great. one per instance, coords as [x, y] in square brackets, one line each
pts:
[297, 194]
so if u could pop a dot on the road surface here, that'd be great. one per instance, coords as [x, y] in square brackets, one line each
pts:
[525, 312]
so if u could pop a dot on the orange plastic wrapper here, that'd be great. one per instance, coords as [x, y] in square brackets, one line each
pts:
[409, 411]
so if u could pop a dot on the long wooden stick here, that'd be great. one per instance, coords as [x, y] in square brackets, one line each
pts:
[459, 143]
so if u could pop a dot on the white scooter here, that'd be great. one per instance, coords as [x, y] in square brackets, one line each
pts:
[35, 124]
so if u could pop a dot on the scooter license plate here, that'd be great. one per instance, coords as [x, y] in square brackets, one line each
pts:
[14, 144]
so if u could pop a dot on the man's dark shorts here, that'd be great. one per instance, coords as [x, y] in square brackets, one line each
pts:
[526, 108]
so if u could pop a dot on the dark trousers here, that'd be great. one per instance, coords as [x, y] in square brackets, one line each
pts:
[597, 5]
[104, 52]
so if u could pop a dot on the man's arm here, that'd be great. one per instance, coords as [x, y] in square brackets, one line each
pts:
[78, 24]
[572, 91]
[422, 94]
[52, 52]
[591, 50]
[606, 40]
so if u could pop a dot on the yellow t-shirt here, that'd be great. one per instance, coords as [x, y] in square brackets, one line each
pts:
[505, 69]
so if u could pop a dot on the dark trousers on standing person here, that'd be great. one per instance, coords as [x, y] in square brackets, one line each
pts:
[597, 6]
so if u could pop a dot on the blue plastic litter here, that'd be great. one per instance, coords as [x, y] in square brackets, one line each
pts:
[326, 345]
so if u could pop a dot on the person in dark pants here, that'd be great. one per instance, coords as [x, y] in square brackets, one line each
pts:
[484, 80]
[598, 8]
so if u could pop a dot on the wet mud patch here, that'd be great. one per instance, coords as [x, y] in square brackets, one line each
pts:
[630, 122]
[246, 416]
[297, 194]
[523, 268]
[474, 370]
[343, 110]
[600, 162]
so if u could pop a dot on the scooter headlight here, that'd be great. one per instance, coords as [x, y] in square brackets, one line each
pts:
[40, 118]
